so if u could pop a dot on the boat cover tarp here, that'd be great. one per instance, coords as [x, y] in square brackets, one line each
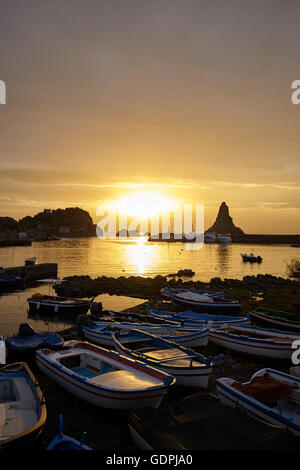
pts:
[265, 389]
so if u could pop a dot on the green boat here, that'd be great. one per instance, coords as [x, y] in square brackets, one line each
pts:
[286, 320]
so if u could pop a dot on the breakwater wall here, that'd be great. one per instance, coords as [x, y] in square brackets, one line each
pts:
[266, 239]
[34, 272]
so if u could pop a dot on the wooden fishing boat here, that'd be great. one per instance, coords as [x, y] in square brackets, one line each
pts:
[256, 341]
[270, 395]
[251, 258]
[188, 367]
[101, 333]
[64, 442]
[201, 422]
[53, 305]
[205, 303]
[104, 378]
[2, 351]
[290, 321]
[168, 291]
[22, 407]
[196, 320]
[27, 340]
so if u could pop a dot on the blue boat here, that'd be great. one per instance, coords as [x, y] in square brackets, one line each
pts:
[64, 442]
[194, 319]
[28, 340]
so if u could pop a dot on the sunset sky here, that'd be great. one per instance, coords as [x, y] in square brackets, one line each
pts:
[187, 98]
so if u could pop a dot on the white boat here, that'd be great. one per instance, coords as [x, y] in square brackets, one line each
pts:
[101, 333]
[190, 369]
[2, 351]
[224, 238]
[22, 407]
[270, 395]
[105, 378]
[256, 341]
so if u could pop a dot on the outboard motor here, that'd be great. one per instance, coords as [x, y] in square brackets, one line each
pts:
[26, 330]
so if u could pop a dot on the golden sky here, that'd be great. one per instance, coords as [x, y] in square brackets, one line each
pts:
[191, 99]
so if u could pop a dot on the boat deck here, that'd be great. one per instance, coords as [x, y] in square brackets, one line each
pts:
[126, 380]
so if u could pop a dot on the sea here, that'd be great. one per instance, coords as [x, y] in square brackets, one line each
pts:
[129, 257]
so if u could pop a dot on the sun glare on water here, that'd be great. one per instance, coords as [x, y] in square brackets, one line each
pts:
[144, 204]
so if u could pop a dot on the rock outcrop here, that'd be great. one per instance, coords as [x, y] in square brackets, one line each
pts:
[224, 223]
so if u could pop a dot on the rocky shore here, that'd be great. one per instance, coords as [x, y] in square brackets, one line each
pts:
[253, 291]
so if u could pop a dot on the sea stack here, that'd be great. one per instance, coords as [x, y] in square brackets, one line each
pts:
[224, 223]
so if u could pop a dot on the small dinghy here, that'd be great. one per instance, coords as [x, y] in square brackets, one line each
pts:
[256, 341]
[27, 340]
[188, 367]
[2, 351]
[101, 333]
[270, 395]
[251, 258]
[196, 320]
[105, 378]
[53, 305]
[285, 320]
[167, 292]
[22, 408]
[64, 442]
[205, 303]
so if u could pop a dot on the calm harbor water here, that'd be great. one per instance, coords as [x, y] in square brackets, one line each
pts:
[131, 257]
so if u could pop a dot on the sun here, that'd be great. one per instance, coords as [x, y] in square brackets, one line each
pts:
[144, 204]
